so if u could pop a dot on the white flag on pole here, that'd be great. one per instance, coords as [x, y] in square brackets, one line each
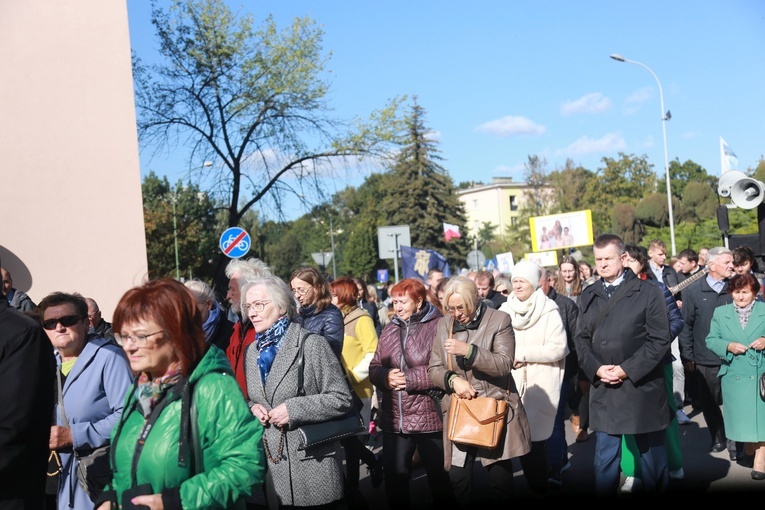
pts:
[728, 159]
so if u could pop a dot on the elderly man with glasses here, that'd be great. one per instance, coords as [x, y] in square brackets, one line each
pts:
[96, 323]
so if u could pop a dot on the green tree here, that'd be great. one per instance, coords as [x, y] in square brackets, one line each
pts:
[420, 193]
[195, 224]
[572, 187]
[253, 101]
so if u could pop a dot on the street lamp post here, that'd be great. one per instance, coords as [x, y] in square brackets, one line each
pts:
[332, 239]
[175, 237]
[664, 118]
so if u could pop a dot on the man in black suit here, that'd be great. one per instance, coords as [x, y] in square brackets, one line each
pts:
[27, 369]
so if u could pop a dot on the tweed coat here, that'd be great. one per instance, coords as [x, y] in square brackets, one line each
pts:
[739, 374]
[313, 476]
[635, 335]
[411, 410]
[489, 373]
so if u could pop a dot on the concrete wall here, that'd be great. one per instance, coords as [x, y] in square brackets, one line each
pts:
[70, 178]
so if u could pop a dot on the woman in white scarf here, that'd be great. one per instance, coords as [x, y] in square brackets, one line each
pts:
[540, 353]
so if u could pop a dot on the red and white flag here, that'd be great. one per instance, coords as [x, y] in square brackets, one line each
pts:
[451, 232]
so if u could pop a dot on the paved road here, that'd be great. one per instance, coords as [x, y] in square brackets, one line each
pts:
[709, 477]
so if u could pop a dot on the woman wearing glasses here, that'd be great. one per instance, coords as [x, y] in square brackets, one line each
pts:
[186, 438]
[94, 376]
[473, 356]
[317, 314]
[310, 477]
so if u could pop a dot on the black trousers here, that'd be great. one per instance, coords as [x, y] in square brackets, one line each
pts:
[710, 399]
[355, 451]
[536, 467]
[397, 466]
[500, 476]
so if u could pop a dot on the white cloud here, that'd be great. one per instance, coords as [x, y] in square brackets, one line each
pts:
[611, 142]
[633, 102]
[510, 125]
[589, 103]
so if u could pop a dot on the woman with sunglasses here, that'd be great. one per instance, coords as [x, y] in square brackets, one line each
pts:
[317, 314]
[186, 438]
[94, 378]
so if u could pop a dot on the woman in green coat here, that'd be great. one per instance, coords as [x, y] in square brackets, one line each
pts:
[186, 438]
[737, 335]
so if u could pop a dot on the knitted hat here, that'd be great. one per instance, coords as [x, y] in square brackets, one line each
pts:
[529, 271]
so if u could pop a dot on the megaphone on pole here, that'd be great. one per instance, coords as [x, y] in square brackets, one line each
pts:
[744, 192]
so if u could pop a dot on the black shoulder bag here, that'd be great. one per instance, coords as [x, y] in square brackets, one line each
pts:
[314, 434]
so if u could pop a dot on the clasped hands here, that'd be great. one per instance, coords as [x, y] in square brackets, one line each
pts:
[611, 374]
[738, 348]
[278, 416]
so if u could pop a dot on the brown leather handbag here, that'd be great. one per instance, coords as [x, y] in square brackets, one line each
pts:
[479, 421]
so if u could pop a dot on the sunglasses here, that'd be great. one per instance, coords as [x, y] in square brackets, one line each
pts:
[67, 321]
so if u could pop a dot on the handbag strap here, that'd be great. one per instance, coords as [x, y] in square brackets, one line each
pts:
[300, 362]
[451, 369]
[61, 398]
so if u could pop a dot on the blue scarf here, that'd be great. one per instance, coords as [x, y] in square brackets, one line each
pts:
[268, 344]
[212, 321]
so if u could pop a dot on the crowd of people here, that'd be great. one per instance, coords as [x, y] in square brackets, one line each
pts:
[198, 401]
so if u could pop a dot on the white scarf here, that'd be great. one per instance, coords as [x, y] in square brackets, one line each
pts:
[525, 314]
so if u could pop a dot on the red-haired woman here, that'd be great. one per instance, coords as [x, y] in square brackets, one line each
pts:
[410, 416]
[179, 379]
[359, 345]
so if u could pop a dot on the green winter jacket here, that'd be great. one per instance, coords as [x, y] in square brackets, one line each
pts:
[229, 436]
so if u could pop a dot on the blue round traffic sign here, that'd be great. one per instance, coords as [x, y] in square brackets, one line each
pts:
[235, 242]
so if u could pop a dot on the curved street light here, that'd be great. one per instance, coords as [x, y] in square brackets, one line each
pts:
[664, 119]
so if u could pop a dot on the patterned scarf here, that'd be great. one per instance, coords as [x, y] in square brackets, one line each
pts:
[149, 392]
[212, 321]
[744, 313]
[268, 344]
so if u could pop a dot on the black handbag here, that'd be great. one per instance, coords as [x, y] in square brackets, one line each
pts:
[315, 434]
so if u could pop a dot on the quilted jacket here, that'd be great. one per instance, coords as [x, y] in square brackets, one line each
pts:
[412, 410]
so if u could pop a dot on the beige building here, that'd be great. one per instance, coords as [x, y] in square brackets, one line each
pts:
[70, 180]
[498, 202]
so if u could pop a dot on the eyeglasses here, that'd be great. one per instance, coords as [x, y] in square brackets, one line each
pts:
[67, 321]
[301, 291]
[139, 340]
[91, 315]
[452, 309]
[504, 292]
[257, 306]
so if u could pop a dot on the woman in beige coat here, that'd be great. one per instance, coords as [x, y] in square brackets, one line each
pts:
[540, 358]
[481, 345]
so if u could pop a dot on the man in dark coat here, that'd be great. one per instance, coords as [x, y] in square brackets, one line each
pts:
[701, 364]
[621, 341]
[27, 367]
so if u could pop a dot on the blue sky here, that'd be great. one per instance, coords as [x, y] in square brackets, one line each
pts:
[504, 80]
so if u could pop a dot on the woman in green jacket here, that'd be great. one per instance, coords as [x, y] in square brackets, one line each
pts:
[186, 438]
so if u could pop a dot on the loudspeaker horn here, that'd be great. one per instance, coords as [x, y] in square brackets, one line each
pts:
[727, 180]
[747, 193]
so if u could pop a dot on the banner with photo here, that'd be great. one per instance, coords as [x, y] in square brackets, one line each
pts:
[505, 262]
[416, 262]
[543, 258]
[559, 231]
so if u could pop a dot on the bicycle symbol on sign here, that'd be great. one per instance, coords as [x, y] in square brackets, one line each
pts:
[243, 245]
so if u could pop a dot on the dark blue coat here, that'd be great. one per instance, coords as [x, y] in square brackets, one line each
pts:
[327, 323]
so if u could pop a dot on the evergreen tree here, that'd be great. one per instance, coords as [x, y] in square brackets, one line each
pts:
[420, 193]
